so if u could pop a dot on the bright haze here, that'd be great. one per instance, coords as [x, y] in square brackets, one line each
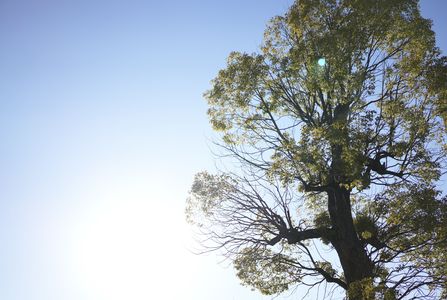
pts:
[102, 127]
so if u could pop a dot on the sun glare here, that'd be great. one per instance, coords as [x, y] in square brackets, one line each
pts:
[124, 250]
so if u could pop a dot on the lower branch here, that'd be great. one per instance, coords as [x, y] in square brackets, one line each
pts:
[294, 235]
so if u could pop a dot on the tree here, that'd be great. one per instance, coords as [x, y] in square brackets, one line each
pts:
[337, 129]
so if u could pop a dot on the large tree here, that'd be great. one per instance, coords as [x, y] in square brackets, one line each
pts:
[337, 128]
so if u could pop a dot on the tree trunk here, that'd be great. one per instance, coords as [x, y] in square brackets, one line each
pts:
[353, 257]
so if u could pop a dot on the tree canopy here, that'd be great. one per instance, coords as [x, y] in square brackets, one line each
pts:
[338, 126]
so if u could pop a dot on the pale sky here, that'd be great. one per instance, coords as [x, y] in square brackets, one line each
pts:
[102, 128]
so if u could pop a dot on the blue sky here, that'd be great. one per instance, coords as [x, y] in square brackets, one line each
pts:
[102, 127]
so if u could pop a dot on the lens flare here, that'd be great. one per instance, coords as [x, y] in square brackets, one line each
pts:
[322, 62]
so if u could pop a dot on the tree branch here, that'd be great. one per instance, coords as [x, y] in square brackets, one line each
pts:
[294, 236]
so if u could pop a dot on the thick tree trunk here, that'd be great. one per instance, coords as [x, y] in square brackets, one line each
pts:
[353, 257]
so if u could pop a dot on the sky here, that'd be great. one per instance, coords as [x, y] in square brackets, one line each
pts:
[102, 128]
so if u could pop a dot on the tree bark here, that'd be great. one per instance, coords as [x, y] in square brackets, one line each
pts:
[353, 257]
